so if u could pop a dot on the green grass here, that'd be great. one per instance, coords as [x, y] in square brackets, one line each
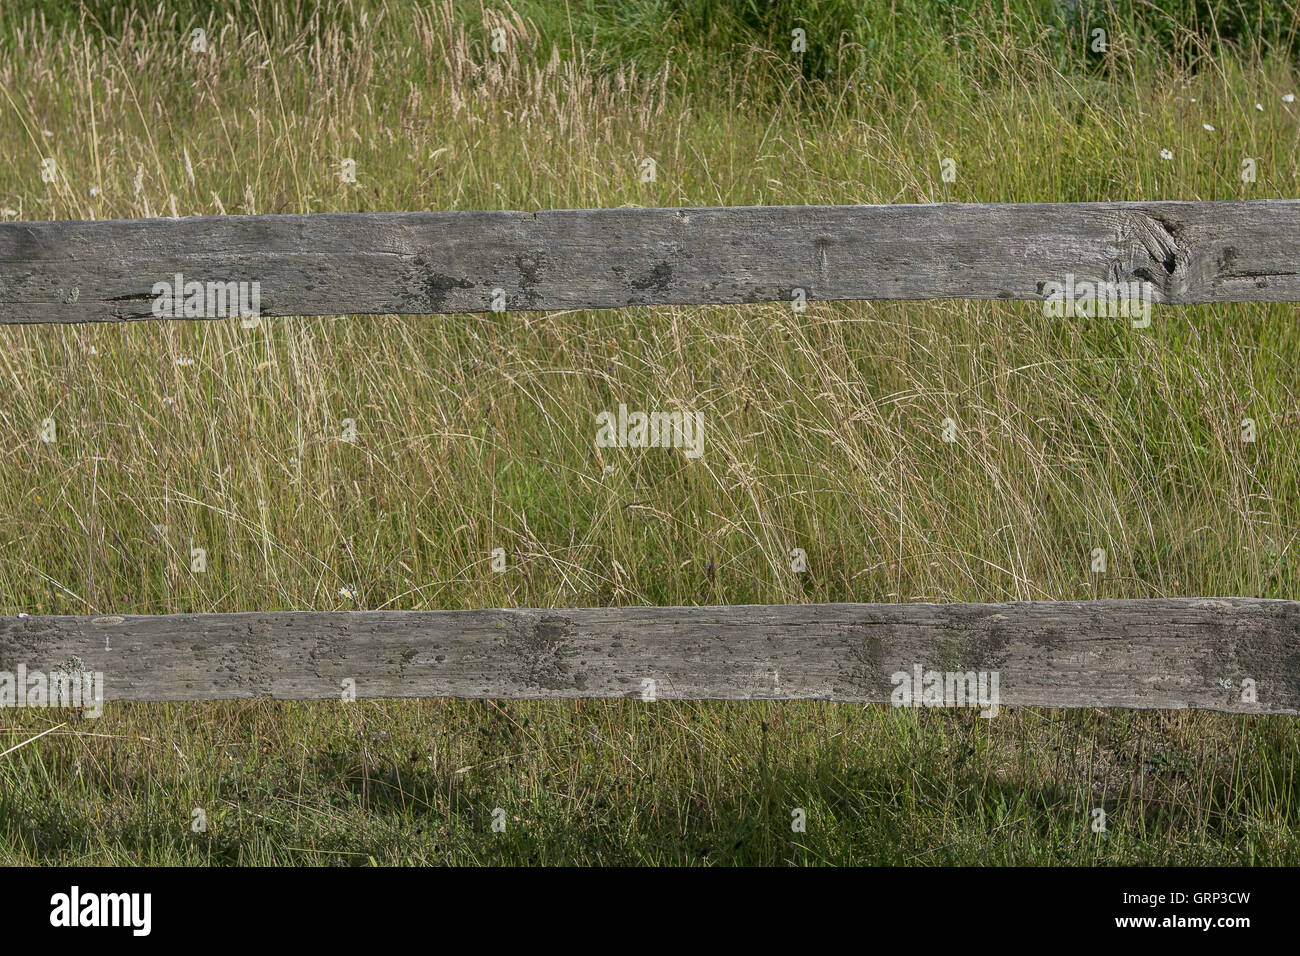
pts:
[620, 782]
[476, 432]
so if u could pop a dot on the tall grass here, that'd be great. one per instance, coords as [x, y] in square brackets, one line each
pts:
[476, 432]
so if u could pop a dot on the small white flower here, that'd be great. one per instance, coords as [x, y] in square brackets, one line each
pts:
[46, 132]
[91, 350]
[168, 400]
[1208, 127]
[1288, 97]
[184, 362]
[348, 592]
[1260, 107]
[8, 212]
[21, 614]
[1192, 99]
[94, 191]
[1166, 154]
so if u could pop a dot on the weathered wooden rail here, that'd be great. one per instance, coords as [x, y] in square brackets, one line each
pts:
[1233, 654]
[1143, 653]
[454, 262]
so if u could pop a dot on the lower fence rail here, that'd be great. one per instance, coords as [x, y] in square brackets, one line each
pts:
[1229, 654]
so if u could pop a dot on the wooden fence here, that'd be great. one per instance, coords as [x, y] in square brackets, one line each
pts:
[1232, 654]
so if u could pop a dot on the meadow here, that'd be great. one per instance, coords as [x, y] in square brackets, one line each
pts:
[474, 433]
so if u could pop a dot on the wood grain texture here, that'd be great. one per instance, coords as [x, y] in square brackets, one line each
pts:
[1171, 653]
[450, 262]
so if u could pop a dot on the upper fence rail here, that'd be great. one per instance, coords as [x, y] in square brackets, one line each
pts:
[463, 262]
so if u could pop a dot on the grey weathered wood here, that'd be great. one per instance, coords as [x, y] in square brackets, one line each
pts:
[1134, 653]
[442, 262]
